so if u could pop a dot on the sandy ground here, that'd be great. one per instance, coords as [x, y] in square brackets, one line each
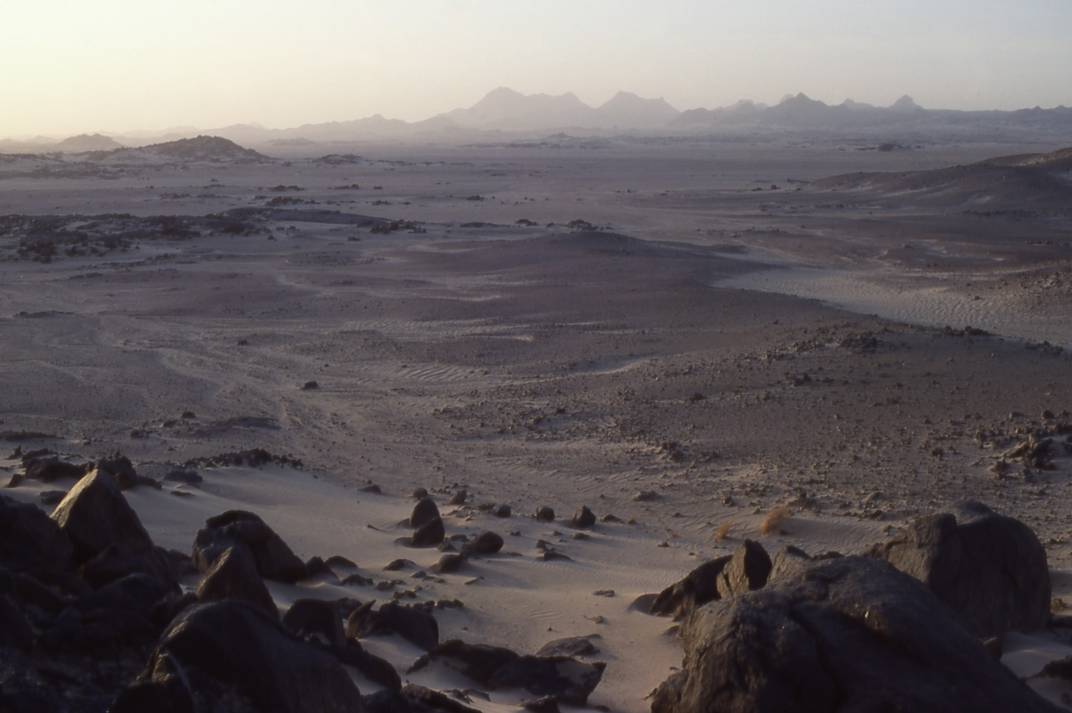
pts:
[537, 365]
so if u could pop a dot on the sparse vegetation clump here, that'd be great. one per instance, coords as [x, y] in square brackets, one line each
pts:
[774, 520]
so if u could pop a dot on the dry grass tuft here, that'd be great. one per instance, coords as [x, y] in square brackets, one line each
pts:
[723, 531]
[774, 520]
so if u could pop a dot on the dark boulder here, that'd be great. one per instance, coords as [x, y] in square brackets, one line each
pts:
[696, 589]
[583, 518]
[415, 699]
[119, 560]
[569, 646]
[545, 514]
[429, 534]
[848, 634]
[424, 511]
[486, 543]
[316, 620]
[372, 667]
[15, 629]
[32, 542]
[414, 623]
[94, 515]
[568, 680]
[274, 559]
[450, 562]
[234, 576]
[49, 469]
[229, 657]
[989, 568]
[746, 571]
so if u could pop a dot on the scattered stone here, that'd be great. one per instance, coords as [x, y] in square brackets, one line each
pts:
[458, 498]
[502, 511]
[397, 564]
[486, 543]
[646, 496]
[419, 493]
[448, 563]
[583, 518]
[604, 593]
[545, 514]
[341, 562]
[372, 488]
[184, 475]
[429, 534]
[424, 512]
[310, 386]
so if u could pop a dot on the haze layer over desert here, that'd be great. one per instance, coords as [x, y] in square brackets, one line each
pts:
[544, 405]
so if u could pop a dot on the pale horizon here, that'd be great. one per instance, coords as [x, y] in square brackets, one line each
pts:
[114, 67]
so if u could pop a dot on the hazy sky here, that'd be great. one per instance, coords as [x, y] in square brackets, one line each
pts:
[68, 66]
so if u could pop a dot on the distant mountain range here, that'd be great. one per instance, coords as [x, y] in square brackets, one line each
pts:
[504, 111]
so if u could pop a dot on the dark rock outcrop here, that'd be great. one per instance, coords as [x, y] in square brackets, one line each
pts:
[424, 512]
[32, 542]
[274, 559]
[568, 680]
[234, 576]
[851, 633]
[230, 657]
[746, 571]
[569, 646]
[414, 623]
[316, 620]
[697, 588]
[989, 568]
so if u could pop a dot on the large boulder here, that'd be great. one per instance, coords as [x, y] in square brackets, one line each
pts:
[94, 515]
[229, 657]
[274, 559]
[486, 543]
[848, 634]
[989, 568]
[696, 589]
[234, 576]
[32, 542]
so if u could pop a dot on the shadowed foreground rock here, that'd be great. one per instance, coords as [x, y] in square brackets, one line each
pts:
[698, 587]
[849, 634]
[228, 657]
[234, 576]
[990, 568]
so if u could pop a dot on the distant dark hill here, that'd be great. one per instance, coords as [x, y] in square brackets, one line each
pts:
[1040, 182]
[87, 142]
[212, 149]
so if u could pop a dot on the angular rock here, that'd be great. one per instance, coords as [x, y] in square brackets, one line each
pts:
[989, 568]
[486, 543]
[696, 589]
[94, 515]
[229, 656]
[545, 514]
[274, 559]
[424, 511]
[234, 576]
[568, 680]
[583, 518]
[450, 562]
[372, 667]
[316, 619]
[413, 623]
[849, 634]
[569, 646]
[746, 571]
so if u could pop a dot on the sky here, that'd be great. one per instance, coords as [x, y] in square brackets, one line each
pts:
[70, 66]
